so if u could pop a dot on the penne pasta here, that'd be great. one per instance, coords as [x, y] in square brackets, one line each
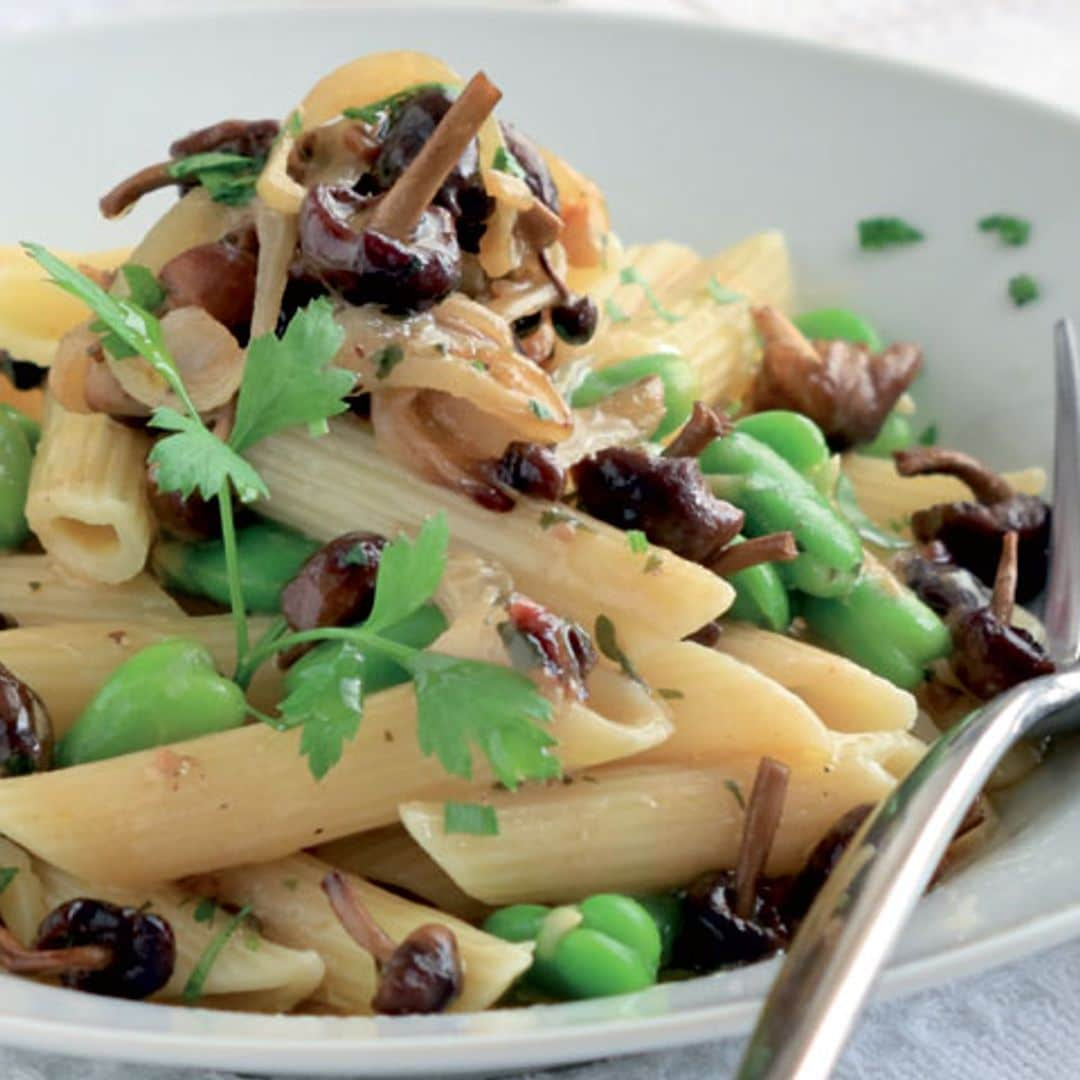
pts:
[66, 663]
[643, 828]
[290, 905]
[248, 795]
[390, 856]
[845, 696]
[87, 501]
[328, 486]
[251, 971]
[34, 313]
[890, 499]
[35, 590]
[671, 300]
[721, 706]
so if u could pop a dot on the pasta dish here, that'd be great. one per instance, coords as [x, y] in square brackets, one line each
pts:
[415, 598]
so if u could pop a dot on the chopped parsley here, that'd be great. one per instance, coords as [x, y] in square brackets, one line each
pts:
[554, 516]
[1023, 289]
[504, 161]
[294, 124]
[653, 563]
[736, 792]
[7, 875]
[614, 312]
[386, 359]
[193, 988]
[1013, 231]
[228, 178]
[721, 294]
[205, 910]
[638, 541]
[472, 819]
[669, 694]
[631, 275]
[539, 410]
[928, 436]
[877, 233]
[392, 103]
[607, 642]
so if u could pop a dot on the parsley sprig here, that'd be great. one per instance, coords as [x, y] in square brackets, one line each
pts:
[462, 705]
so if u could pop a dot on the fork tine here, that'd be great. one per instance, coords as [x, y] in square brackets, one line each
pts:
[1063, 592]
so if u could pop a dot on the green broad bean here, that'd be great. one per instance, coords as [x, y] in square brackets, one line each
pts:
[680, 381]
[796, 438]
[838, 324]
[881, 625]
[16, 457]
[379, 672]
[270, 556]
[666, 910]
[31, 428]
[895, 434]
[777, 498]
[165, 693]
[607, 944]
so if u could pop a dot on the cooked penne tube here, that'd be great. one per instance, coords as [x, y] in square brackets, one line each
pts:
[890, 499]
[643, 828]
[328, 486]
[22, 900]
[290, 905]
[34, 313]
[845, 696]
[671, 300]
[759, 267]
[248, 795]
[721, 706]
[66, 663]
[35, 590]
[251, 972]
[390, 856]
[87, 501]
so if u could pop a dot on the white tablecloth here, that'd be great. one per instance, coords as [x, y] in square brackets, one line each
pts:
[1021, 1021]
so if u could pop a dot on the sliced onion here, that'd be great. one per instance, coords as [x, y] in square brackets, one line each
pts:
[209, 358]
[461, 348]
[624, 418]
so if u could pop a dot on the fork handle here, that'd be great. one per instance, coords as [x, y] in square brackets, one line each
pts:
[855, 921]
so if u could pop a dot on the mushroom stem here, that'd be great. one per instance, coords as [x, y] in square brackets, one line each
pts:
[704, 425]
[762, 820]
[985, 484]
[132, 188]
[554, 276]
[356, 919]
[19, 960]
[400, 209]
[539, 225]
[1004, 594]
[776, 547]
[780, 335]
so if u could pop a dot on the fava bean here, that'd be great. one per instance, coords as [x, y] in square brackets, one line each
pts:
[165, 693]
[838, 324]
[777, 498]
[270, 556]
[16, 458]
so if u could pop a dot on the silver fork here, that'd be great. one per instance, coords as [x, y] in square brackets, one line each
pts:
[854, 923]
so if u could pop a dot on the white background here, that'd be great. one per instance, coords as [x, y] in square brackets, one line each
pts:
[1020, 1021]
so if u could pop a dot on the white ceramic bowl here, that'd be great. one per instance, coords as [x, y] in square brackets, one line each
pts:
[697, 134]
